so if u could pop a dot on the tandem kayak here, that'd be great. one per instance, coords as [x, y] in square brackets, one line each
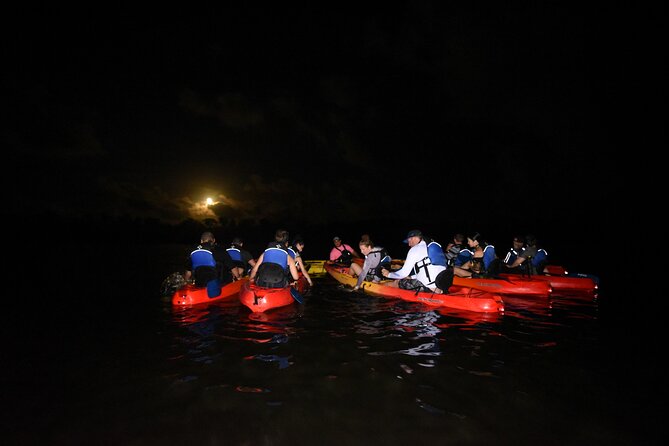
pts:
[458, 297]
[516, 286]
[191, 295]
[259, 299]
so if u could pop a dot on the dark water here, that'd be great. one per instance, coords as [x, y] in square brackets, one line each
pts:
[103, 359]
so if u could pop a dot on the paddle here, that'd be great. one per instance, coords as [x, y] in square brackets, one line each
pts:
[213, 288]
[296, 295]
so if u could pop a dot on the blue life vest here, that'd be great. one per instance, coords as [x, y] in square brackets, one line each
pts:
[539, 257]
[435, 257]
[436, 254]
[488, 256]
[202, 257]
[235, 254]
[276, 255]
[464, 256]
[292, 253]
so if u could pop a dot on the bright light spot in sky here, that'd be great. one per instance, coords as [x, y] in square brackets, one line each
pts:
[209, 201]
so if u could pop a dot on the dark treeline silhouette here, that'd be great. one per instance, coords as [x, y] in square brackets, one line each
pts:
[560, 236]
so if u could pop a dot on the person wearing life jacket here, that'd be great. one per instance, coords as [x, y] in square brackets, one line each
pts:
[484, 261]
[295, 251]
[208, 262]
[376, 258]
[515, 250]
[342, 253]
[453, 249]
[538, 258]
[418, 272]
[275, 267]
[243, 259]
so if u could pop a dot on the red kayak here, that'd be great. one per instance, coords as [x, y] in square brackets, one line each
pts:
[458, 297]
[259, 299]
[562, 283]
[508, 286]
[191, 295]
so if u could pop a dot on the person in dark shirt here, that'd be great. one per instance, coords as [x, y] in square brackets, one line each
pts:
[538, 258]
[208, 262]
[242, 258]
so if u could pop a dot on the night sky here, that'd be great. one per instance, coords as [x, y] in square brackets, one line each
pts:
[422, 113]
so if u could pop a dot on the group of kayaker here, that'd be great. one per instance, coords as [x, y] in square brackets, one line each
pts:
[278, 265]
[427, 267]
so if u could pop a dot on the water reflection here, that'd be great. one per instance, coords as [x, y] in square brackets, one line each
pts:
[347, 355]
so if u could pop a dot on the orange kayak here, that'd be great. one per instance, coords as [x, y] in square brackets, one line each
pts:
[191, 295]
[458, 297]
[516, 286]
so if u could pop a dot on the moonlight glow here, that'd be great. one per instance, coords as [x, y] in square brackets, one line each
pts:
[209, 201]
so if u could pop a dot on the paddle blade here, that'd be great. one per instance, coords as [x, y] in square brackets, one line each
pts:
[213, 288]
[296, 295]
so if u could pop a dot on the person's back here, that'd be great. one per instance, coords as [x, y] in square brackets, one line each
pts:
[272, 268]
[243, 259]
[208, 262]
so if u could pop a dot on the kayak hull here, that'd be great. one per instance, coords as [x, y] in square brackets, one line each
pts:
[562, 283]
[191, 295]
[516, 286]
[259, 299]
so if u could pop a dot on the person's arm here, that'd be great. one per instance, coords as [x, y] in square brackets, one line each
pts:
[305, 273]
[353, 252]
[188, 270]
[366, 267]
[293, 268]
[406, 269]
[227, 263]
[253, 272]
[519, 261]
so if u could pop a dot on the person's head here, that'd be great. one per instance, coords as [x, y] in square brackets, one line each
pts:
[366, 246]
[281, 236]
[518, 242]
[237, 241]
[337, 241]
[459, 238]
[365, 237]
[531, 240]
[207, 237]
[413, 237]
[298, 243]
[474, 240]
